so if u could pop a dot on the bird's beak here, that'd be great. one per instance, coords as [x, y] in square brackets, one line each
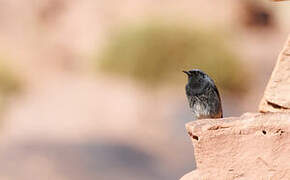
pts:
[186, 72]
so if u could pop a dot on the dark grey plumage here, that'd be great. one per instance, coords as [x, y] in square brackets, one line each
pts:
[203, 96]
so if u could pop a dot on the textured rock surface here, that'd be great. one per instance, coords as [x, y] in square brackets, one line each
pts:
[277, 94]
[253, 146]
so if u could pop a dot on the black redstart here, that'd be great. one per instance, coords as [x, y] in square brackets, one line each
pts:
[202, 94]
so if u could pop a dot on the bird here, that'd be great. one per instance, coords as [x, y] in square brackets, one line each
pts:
[202, 95]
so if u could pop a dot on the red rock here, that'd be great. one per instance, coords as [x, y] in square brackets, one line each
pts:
[253, 146]
[277, 94]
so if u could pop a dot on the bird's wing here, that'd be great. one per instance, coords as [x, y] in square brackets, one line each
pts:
[218, 94]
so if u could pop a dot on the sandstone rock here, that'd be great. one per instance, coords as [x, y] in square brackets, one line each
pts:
[193, 175]
[253, 146]
[277, 94]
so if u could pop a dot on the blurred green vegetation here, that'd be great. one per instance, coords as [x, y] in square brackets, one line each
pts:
[157, 53]
[9, 84]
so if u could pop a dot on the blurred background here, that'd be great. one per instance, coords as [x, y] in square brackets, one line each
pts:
[94, 89]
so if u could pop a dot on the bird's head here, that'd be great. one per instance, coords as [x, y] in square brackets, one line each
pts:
[195, 74]
[197, 78]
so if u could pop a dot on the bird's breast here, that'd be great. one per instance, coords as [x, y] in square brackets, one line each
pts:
[199, 108]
